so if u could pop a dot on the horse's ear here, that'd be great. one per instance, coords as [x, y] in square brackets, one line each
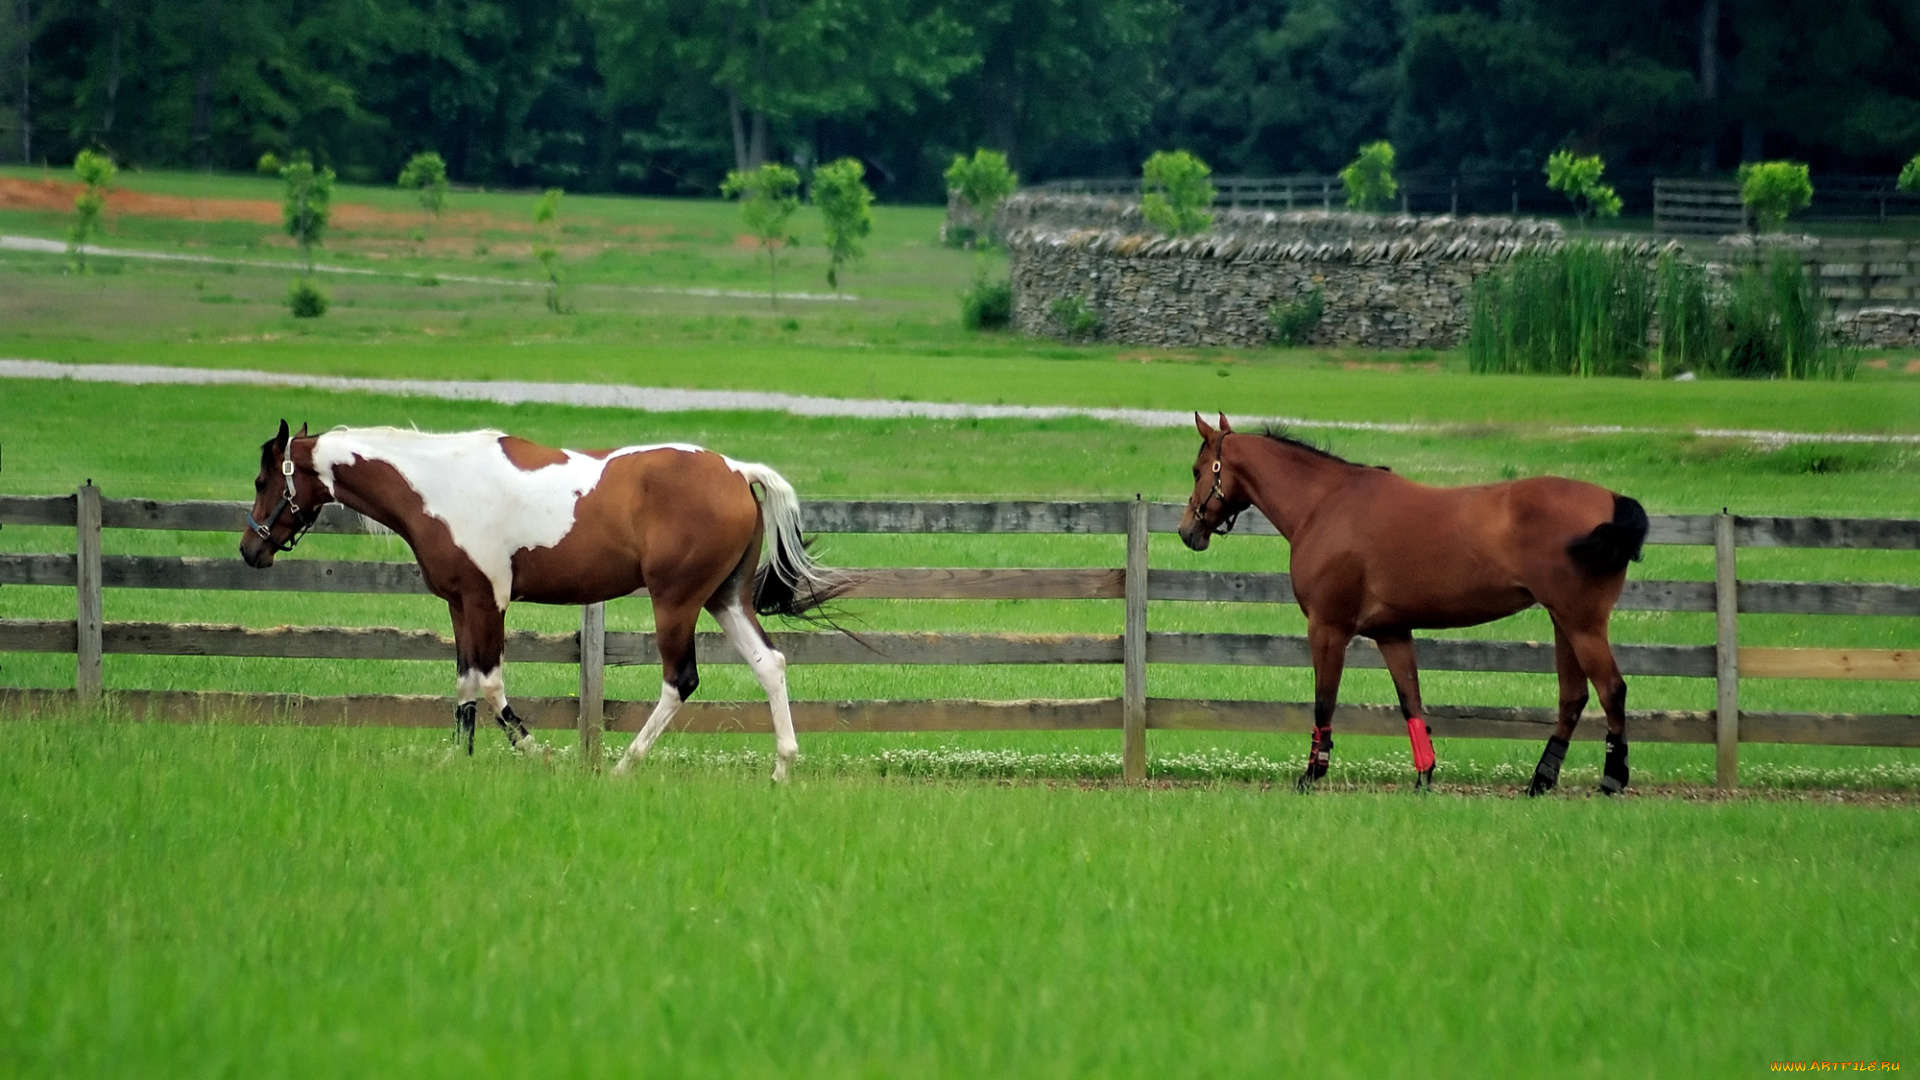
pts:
[1205, 431]
[1225, 428]
[303, 430]
[280, 439]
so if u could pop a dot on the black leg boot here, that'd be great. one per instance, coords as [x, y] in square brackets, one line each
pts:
[463, 726]
[510, 723]
[1613, 779]
[1547, 773]
[1318, 758]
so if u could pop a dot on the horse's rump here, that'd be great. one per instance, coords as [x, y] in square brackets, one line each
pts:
[1613, 544]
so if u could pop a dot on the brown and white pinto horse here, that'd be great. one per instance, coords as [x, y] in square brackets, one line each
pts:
[492, 519]
[1378, 555]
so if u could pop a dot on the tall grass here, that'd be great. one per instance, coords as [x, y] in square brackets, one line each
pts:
[1777, 325]
[1689, 335]
[1585, 310]
[1579, 310]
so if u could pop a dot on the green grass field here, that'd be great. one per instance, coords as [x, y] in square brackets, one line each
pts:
[353, 904]
[219, 900]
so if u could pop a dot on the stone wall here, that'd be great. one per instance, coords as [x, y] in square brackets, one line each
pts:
[1881, 327]
[1387, 281]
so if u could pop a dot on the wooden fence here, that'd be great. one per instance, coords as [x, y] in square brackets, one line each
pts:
[89, 637]
[1698, 207]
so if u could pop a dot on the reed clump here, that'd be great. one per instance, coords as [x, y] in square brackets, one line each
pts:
[1594, 309]
[1581, 309]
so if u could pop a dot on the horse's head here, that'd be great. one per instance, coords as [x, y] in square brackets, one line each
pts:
[287, 498]
[1218, 495]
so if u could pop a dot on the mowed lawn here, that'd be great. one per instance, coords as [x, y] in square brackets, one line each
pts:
[267, 902]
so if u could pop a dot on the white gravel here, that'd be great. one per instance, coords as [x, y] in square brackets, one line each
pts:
[668, 400]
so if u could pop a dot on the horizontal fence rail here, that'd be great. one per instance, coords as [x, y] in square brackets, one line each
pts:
[1681, 205]
[89, 637]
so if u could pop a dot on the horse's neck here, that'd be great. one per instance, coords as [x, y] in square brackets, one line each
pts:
[1288, 483]
[368, 500]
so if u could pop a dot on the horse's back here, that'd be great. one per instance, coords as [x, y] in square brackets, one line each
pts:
[1397, 552]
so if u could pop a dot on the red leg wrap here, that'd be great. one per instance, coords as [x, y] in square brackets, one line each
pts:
[1321, 755]
[1423, 758]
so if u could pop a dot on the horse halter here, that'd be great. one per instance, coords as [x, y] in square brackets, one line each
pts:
[1224, 525]
[289, 501]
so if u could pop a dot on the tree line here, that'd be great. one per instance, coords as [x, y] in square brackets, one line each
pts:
[668, 96]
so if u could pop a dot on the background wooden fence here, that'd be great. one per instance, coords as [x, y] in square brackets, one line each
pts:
[89, 637]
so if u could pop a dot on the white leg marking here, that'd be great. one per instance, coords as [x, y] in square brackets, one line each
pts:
[493, 687]
[469, 686]
[662, 713]
[770, 667]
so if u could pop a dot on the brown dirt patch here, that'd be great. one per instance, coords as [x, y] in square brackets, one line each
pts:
[1913, 367]
[54, 195]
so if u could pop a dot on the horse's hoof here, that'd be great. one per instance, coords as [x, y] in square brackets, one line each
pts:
[1304, 784]
[1610, 785]
[1540, 786]
[1423, 780]
[623, 766]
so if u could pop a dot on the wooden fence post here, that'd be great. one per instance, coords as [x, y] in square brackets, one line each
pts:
[593, 682]
[87, 680]
[1726, 592]
[1133, 651]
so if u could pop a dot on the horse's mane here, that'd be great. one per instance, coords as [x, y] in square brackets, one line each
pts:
[1285, 438]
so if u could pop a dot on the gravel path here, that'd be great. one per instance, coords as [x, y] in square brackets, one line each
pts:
[55, 247]
[667, 400]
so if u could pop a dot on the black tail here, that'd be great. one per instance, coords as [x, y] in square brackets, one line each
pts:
[792, 584]
[1613, 544]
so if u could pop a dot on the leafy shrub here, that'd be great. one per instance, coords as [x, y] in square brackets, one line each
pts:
[1369, 178]
[1580, 310]
[305, 300]
[1288, 323]
[987, 305]
[1074, 318]
[846, 206]
[981, 182]
[1177, 193]
[425, 174]
[1910, 176]
[1774, 189]
[1578, 178]
[95, 172]
[306, 206]
[545, 209]
[768, 197]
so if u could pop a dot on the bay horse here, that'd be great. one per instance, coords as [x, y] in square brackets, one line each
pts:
[492, 519]
[1375, 554]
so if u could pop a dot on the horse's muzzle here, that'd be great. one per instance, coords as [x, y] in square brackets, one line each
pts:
[255, 554]
[1195, 536]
